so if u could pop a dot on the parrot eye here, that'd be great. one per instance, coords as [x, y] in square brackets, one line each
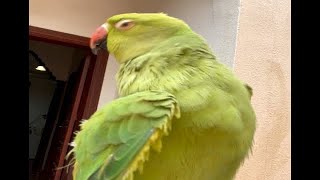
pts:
[124, 24]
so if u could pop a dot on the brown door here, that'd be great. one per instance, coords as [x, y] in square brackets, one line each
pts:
[73, 117]
[85, 104]
[80, 100]
[68, 115]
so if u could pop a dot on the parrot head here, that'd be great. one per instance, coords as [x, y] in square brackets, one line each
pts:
[127, 36]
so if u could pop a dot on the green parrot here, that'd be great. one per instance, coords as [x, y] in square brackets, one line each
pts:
[180, 115]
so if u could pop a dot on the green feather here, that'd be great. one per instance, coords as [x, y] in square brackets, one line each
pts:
[115, 135]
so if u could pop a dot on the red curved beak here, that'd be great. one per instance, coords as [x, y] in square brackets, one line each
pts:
[98, 39]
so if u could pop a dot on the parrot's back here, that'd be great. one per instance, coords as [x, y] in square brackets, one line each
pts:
[217, 124]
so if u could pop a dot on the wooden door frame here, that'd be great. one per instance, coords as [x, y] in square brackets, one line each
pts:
[92, 97]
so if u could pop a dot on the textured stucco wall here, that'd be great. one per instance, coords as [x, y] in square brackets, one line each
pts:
[263, 61]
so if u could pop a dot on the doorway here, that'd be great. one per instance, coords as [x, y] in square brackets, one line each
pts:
[65, 81]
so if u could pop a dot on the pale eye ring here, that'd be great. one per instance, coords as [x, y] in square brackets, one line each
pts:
[124, 24]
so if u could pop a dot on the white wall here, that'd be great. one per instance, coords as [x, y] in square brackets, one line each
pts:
[264, 61]
[109, 89]
[40, 95]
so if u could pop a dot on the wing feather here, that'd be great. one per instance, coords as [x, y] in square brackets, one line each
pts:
[117, 139]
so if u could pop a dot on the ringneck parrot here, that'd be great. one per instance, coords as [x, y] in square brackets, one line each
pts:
[180, 114]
